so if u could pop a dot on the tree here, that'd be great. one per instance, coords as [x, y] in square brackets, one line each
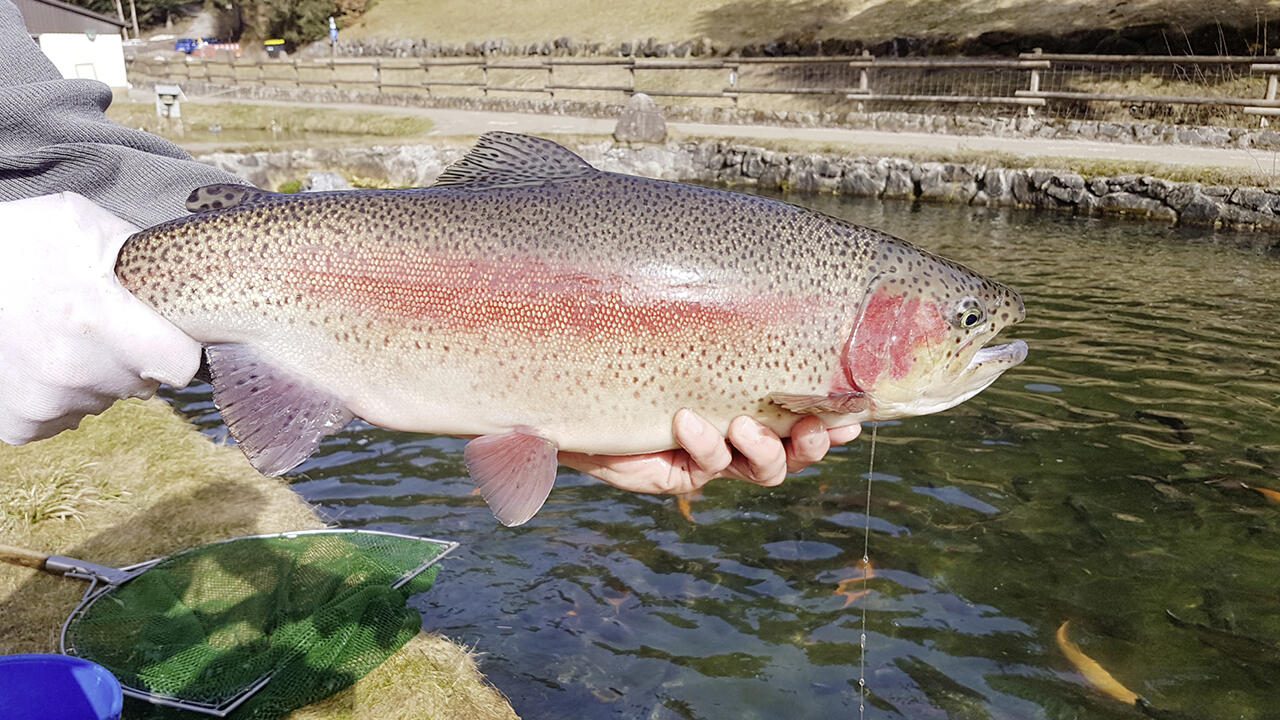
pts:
[150, 12]
[297, 22]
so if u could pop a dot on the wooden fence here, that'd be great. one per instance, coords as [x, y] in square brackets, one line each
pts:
[1226, 84]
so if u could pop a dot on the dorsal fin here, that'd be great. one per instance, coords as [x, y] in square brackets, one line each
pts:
[503, 159]
[223, 195]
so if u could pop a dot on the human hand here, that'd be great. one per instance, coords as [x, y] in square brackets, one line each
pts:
[758, 455]
[72, 339]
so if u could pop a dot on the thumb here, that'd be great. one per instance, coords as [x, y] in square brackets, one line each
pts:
[171, 357]
[156, 349]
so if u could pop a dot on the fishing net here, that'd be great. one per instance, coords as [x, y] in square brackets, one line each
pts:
[306, 613]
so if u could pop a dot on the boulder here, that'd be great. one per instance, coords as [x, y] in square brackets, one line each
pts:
[1066, 187]
[863, 181]
[898, 184]
[317, 181]
[1238, 216]
[1127, 203]
[1181, 194]
[997, 186]
[641, 121]
[947, 182]
[1255, 199]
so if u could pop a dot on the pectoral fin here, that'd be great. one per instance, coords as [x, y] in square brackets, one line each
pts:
[514, 473]
[842, 403]
[277, 418]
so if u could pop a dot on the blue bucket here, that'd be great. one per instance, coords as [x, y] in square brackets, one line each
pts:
[57, 687]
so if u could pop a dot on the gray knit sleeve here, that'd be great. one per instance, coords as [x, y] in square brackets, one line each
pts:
[54, 137]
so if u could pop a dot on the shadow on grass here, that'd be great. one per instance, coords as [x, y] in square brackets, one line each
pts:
[204, 623]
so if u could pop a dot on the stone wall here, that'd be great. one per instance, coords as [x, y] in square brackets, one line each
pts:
[1140, 196]
[1053, 128]
[737, 165]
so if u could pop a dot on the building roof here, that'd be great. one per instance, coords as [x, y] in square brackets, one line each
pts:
[51, 16]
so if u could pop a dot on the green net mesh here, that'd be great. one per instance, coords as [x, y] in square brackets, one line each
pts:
[316, 612]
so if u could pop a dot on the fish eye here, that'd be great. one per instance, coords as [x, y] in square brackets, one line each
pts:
[969, 314]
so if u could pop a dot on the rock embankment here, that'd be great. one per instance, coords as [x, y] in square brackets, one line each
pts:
[739, 165]
[974, 184]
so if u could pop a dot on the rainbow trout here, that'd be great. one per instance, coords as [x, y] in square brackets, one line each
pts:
[538, 304]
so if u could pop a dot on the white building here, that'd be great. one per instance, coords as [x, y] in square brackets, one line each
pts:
[81, 43]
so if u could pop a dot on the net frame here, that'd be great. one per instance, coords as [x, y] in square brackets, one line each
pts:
[103, 580]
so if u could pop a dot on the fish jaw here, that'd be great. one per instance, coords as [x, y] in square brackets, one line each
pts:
[986, 366]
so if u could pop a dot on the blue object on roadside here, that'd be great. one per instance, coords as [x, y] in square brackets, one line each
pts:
[57, 687]
[185, 45]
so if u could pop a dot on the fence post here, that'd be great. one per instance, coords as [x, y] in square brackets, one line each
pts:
[484, 75]
[426, 76]
[297, 74]
[733, 83]
[1035, 81]
[377, 73]
[262, 74]
[1271, 91]
[864, 81]
[551, 68]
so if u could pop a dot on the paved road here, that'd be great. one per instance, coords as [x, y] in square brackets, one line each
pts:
[464, 122]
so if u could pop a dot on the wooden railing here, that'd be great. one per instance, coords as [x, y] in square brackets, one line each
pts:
[1032, 80]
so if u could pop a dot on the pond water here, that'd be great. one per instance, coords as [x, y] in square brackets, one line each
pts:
[1106, 482]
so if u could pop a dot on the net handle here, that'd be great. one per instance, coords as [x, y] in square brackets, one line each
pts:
[64, 566]
[21, 556]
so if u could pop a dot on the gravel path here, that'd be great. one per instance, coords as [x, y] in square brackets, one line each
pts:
[450, 122]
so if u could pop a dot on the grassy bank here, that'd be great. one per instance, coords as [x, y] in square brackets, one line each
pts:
[741, 22]
[140, 482]
[211, 126]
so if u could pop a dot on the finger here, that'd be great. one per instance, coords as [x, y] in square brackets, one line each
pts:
[808, 444]
[763, 461]
[654, 473]
[628, 472]
[707, 449]
[844, 434]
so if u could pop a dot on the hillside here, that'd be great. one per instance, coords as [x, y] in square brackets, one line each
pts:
[1205, 27]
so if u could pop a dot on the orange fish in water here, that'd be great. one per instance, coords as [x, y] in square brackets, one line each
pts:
[1268, 493]
[843, 587]
[683, 503]
[1092, 671]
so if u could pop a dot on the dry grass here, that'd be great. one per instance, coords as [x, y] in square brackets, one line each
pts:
[139, 482]
[248, 126]
[738, 22]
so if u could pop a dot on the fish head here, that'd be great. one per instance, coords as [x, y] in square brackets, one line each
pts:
[920, 341]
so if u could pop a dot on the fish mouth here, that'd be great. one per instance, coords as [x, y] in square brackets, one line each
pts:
[986, 365]
[1007, 355]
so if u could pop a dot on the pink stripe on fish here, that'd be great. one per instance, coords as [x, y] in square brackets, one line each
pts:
[537, 298]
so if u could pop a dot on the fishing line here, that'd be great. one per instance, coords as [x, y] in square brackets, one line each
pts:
[866, 570]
